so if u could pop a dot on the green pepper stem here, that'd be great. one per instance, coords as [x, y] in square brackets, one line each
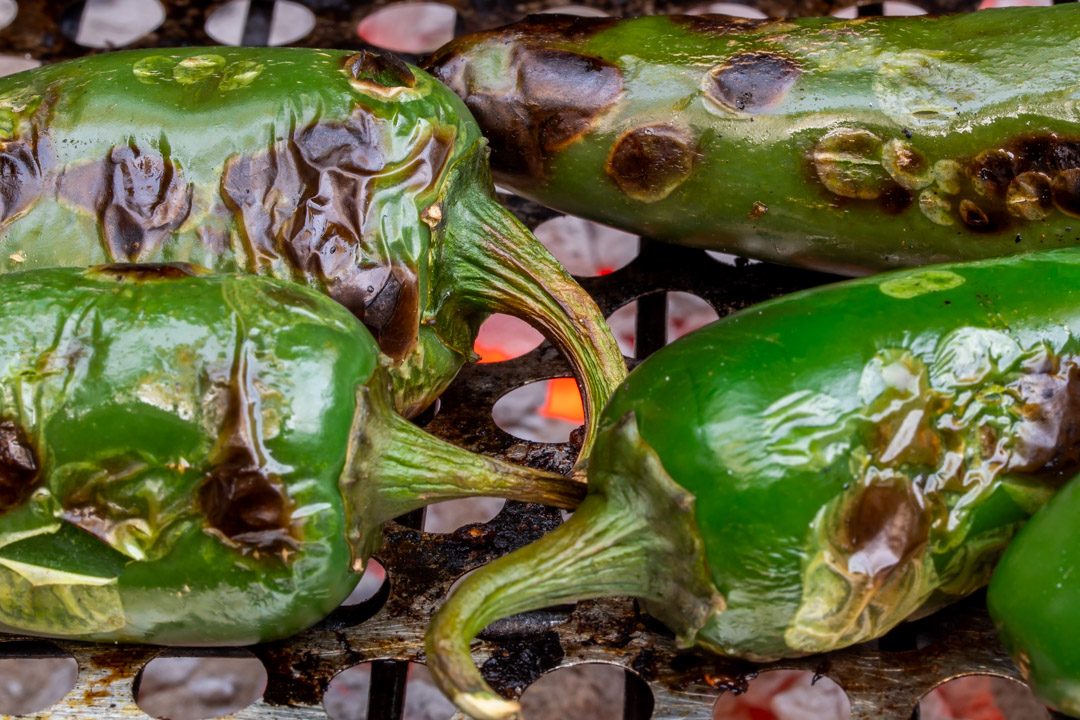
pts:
[395, 467]
[635, 534]
[500, 266]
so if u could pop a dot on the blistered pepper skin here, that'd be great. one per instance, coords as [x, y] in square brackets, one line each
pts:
[122, 404]
[807, 473]
[352, 173]
[190, 459]
[849, 146]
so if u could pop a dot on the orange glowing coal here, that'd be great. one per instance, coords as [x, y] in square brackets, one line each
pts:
[563, 401]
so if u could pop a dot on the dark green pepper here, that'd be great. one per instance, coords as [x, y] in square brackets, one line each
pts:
[207, 460]
[1034, 599]
[349, 172]
[806, 474]
[848, 146]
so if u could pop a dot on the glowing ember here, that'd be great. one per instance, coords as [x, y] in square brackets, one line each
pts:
[563, 401]
[502, 337]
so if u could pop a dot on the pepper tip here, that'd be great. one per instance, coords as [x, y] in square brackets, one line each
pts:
[487, 706]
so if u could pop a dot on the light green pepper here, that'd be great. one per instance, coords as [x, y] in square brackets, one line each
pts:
[201, 460]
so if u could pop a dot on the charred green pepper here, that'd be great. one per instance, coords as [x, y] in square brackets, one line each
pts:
[848, 146]
[350, 172]
[189, 459]
[1033, 597]
[808, 473]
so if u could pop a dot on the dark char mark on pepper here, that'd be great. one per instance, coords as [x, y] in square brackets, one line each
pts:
[307, 201]
[546, 27]
[138, 194]
[19, 468]
[24, 165]
[648, 163]
[145, 272]
[557, 97]
[1015, 170]
[1049, 437]
[247, 507]
[713, 24]
[1021, 180]
[886, 526]
[243, 504]
[753, 82]
[380, 69]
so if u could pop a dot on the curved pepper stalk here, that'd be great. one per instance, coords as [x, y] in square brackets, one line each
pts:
[798, 478]
[634, 534]
[394, 467]
[489, 262]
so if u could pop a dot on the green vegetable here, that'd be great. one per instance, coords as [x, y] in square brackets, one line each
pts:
[1034, 596]
[208, 460]
[849, 146]
[806, 474]
[351, 173]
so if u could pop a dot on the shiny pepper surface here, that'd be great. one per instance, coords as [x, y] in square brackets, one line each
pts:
[807, 473]
[205, 460]
[848, 146]
[1034, 598]
[352, 173]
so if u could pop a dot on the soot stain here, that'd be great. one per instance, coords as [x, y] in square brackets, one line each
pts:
[895, 199]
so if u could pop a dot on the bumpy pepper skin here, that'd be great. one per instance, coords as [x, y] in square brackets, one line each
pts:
[1033, 597]
[808, 473]
[849, 146]
[352, 173]
[190, 459]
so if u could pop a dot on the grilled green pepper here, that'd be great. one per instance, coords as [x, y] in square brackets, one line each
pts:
[808, 473]
[848, 146]
[1033, 598]
[206, 460]
[350, 172]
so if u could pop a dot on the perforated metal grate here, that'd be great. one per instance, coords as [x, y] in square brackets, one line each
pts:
[883, 680]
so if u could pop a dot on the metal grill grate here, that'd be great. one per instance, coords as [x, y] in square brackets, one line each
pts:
[883, 679]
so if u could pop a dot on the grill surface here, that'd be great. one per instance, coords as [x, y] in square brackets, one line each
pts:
[883, 680]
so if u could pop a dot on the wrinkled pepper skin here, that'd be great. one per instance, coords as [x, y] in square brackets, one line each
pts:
[1034, 596]
[352, 173]
[807, 473]
[200, 460]
[847, 146]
